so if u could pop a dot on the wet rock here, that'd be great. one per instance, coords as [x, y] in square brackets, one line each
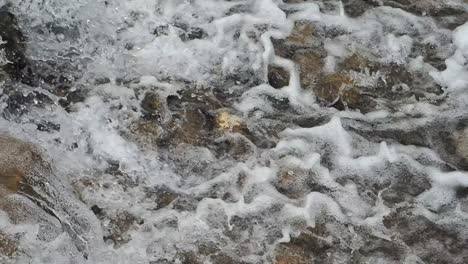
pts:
[102, 80]
[187, 32]
[406, 184]
[20, 164]
[237, 147]
[47, 126]
[99, 212]
[311, 246]
[278, 77]
[356, 62]
[337, 90]
[291, 255]
[304, 46]
[23, 210]
[310, 66]
[302, 35]
[73, 97]
[430, 241]
[304, 39]
[191, 127]
[146, 133]
[26, 187]
[227, 122]
[14, 46]
[153, 106]
[296, 183]
[21, 170]
[223, 258]
[445, 13]
[461, 143]
[208, 248]
[188, 258]
[440, 135]
[118, 227]
[193, 98]
[430, 54]
[356, 8]
[163, 196]
[161, 30]
[8, 245]
[19, 103]
[376, 249]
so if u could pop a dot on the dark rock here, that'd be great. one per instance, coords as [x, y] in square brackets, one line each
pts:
[77, 96]
[19, 104]
[277, 77]
[161, 30]
[187, 32]
[308, 247]
[356, 8]
[153, 105]
[102, 80]
[47, 126]
[430, 241]
[378, 249]
[97, 211]
[14, 47]
[223, 258]
[188, 258]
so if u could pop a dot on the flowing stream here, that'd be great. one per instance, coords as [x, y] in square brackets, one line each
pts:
[234, 131]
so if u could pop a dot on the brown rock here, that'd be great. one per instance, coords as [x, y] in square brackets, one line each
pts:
[8, 246]
[302, 34]
[356, 62]
[461, 138]
[146, 133]
[21, 166]
[310, 66]
[338, 88]
[287, 254]
[190, 128]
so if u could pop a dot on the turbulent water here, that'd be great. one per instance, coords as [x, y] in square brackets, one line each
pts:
[237, 131]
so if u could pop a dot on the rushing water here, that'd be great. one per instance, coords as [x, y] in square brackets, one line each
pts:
[169, 145]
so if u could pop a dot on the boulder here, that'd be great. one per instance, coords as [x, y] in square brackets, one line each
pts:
[31, 193]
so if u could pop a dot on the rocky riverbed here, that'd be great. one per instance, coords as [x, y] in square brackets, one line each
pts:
[234, 131]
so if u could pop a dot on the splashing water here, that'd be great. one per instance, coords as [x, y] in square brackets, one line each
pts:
[170, 144]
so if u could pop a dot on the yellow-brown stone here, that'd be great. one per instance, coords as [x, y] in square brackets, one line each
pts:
[230, 123]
